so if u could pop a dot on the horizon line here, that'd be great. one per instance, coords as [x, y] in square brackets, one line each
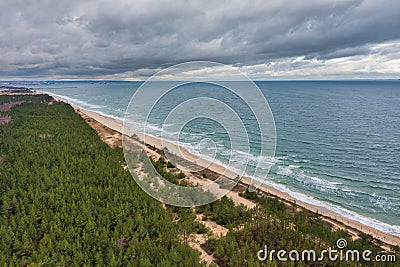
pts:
[179, 80]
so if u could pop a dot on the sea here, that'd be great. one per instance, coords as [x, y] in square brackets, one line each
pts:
[337, 142]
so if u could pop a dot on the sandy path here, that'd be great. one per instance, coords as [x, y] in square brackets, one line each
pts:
[195, 243]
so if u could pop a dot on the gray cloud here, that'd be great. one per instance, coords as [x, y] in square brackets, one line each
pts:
[90, 39]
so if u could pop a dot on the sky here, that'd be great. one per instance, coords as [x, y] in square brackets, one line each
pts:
[133, 39]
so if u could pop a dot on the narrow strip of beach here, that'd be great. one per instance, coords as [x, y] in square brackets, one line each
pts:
[334, 219]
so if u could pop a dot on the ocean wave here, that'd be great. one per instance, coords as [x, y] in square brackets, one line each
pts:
[117, 118]
[85, 105]
[196, 134]
[385, 203]
[153, 127]
[311, 181]
[294, 166]
[78, 102]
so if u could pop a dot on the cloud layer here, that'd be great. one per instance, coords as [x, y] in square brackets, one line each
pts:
[264, 39]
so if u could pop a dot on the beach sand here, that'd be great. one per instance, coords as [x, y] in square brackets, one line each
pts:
[335, 220]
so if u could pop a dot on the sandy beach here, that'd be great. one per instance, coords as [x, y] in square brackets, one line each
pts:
[336, 220]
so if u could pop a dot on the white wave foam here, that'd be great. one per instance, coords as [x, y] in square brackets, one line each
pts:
[154, 127]
[284, 170]
[85, 105]
[384, 203]
[294, 172]
[196, 134]
[294, 166]
[80, 103]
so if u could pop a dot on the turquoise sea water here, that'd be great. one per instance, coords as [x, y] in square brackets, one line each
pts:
[338, 142]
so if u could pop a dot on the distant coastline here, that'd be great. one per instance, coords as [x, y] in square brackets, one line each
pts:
[8, 89]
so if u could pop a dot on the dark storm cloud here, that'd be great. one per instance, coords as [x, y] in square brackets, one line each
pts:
[101, 38]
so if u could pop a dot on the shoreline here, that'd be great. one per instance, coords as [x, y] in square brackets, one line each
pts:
[336, 220]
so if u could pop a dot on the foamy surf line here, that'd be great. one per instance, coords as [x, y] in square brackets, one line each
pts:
[343, 212]
[82, 105]
[334, 212]
[340, 211]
